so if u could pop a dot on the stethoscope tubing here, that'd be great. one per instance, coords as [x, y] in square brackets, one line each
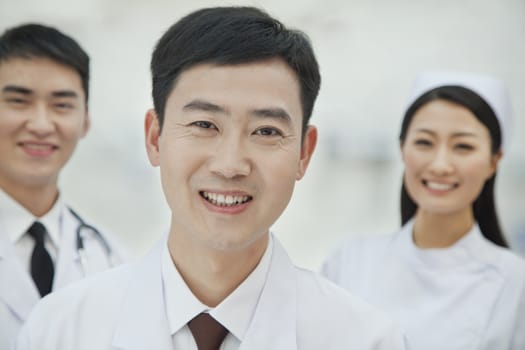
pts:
[80, 240]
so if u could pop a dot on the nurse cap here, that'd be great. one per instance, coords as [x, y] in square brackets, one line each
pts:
[491, 89]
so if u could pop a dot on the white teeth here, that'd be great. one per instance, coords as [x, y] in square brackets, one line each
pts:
[439, 186]
[225, 200]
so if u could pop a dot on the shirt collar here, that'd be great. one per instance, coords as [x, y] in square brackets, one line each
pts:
[235, 312]
[16, 220]
[471, 247]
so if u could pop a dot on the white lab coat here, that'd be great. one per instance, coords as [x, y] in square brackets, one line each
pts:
[470, 296]
[18, 293]
[124, 309]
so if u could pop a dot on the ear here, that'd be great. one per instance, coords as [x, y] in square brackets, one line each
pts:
[86, 125]
[307, 149]
[401, 150]
[494, 161]
[152, 131]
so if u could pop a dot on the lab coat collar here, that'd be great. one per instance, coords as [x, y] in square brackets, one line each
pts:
[67, 267]
[274, 325]
[472, 247]
[16, 287]
[143, 322]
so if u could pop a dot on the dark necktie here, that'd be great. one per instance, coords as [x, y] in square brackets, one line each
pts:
[207, 332]
[42, 269]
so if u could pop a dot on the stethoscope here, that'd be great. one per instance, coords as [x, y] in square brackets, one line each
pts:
[81, 250]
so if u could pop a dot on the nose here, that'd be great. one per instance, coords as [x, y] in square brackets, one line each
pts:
[40, 121]
[441, 163]
[230, 159]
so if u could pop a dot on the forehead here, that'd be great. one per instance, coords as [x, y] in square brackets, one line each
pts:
[39, 74]
[446, 116]
[241, 86]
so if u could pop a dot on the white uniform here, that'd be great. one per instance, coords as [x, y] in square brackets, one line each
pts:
[124, 309]
[18, 293]
[468, 296]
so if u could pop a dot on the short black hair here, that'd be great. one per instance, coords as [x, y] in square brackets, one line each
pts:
[37, 40]
[228, 36]
[484, 206]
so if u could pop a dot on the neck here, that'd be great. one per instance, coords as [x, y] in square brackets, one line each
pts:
[213, 274]
[38, 200]
[440, 231]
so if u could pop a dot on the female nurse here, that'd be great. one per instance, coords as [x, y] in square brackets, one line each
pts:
[447, 276]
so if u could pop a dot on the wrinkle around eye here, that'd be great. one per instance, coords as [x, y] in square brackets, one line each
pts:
[286, 142]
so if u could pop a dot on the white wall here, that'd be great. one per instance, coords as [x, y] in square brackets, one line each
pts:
[369, 52]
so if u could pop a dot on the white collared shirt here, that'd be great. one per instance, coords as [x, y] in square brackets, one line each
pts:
[235, 312]
[15, 220]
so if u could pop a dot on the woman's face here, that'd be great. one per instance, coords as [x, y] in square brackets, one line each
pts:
[447, 157]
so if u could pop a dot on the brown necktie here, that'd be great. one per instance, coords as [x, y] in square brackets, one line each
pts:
[207, 332]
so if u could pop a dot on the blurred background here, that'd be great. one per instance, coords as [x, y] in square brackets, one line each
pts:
[369, 52]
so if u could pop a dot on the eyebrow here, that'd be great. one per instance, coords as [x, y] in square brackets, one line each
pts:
[17, 89]
[271, 113]
[64, 93]
[455, 134]
[25, 91]
[199, 105]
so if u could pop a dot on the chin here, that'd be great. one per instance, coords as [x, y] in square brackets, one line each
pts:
[233, 244]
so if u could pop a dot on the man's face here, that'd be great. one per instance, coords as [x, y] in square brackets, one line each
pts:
[230, 151]
[42, 117]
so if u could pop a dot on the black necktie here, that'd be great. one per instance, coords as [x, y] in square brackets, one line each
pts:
[207, 332]
[42, 269]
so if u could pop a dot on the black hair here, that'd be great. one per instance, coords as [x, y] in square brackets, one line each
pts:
[484, 206]
[37, 40]
[228, 36]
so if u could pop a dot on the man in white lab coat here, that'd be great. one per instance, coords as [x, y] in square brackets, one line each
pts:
[43, 114]
[233, 91]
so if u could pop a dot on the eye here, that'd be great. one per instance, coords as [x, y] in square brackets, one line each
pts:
[423, 142]
[464, 147]
[64, 106]
[203, 124]
[268, 131]
[16, 101]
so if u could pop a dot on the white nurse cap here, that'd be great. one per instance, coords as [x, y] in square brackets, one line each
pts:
[491, 89]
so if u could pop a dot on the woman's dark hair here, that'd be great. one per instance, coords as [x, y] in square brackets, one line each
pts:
[484, 206]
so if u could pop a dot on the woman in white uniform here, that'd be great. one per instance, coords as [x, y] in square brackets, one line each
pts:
[447, 276]
[44, 244]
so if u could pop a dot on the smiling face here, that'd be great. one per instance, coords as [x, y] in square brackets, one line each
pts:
[42, 117]
[230, 151]
[447, 156]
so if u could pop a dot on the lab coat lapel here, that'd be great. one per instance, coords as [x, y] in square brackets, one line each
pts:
[17, 290]
[274, 325]
[68, 267]
[143, 322]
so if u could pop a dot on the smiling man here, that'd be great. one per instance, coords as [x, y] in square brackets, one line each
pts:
[233, 91]
[44, 78]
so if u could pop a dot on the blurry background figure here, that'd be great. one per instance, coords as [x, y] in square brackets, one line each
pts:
[447, 275]
[44, 244]
[369, 53]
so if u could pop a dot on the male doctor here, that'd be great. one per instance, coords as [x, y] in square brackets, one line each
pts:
[233, 91]
[43, 113]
